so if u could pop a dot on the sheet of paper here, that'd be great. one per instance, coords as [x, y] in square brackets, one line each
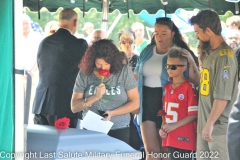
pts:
[94, 122]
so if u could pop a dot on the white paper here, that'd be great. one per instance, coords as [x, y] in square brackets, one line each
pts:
[94, 122]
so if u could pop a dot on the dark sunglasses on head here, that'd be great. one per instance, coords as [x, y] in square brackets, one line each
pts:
[163, 19]
[125, 42]
[173, 66]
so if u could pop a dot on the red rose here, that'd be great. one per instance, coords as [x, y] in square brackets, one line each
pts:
[161, 112]
[103, 72]
[62, 123]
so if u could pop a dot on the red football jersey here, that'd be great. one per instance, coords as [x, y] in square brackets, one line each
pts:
[179, 103]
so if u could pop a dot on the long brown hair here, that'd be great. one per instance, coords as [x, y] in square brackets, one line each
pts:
[178, 39]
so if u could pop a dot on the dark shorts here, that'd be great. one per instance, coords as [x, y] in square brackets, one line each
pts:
[152, 103]
[121, 134]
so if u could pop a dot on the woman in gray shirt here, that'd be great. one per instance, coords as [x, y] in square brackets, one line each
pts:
[117, 95]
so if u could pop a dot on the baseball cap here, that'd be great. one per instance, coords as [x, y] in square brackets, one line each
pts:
[86, 25]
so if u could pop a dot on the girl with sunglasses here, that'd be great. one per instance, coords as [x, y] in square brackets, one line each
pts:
[152, 77]
[126, 39]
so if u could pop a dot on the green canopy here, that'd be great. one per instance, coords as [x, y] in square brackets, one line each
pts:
[6, 80]
[152, 6]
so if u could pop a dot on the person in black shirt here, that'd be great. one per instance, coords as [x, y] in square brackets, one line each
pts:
[126, 39]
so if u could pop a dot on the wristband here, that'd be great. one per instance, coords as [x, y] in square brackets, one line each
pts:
[85, 102]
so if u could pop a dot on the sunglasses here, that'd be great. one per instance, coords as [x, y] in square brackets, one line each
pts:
[163, 19]
[125, 42]
[173, 66]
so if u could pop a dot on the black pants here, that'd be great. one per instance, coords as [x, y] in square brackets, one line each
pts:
[50, 119]
[121, 134]
[134, 139]
[181, 154]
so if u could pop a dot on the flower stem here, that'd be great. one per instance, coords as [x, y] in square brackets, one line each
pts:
[102, 79]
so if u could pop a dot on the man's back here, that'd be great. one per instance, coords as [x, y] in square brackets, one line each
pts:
[58, 59]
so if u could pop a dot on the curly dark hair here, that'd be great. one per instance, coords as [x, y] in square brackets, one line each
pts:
[178, 39]
[103, 49]
[207, 18]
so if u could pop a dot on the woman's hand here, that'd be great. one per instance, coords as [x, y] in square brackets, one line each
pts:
[162, 133]
[188, 56]
[194, 75]
[108, 118]
[100, 91]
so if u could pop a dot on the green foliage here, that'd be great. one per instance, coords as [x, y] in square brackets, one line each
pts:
[91, 16]
[124, 22]
[45, 16]
[225, 16]
[96, 18]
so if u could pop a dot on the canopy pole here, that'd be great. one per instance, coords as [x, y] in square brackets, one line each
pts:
[209, 5]
[165, 3]
[165, 10]
[83, 8]
[39, 17]
[105, 10]
[236, 8]
[114, 24]
[127, 9]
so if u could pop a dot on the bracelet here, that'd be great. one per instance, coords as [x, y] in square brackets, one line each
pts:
[85, 102]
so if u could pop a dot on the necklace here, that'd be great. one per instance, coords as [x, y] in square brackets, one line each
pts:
[211, 50]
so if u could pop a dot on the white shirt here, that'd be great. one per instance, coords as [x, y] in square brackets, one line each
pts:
[30, 49]
[152, 70]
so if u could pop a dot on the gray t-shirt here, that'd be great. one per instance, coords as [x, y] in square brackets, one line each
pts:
[117, 86]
